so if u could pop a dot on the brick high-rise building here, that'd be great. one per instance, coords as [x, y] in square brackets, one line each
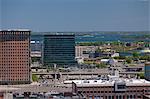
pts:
[14, 56]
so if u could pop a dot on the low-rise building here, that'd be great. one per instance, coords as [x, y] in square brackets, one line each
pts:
[112, 88]
[84, 51]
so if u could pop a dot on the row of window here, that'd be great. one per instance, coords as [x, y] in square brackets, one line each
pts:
[115, 97]
[14, 54]
[19, 79]
[3, 66]
[19, 46]
[14, 43]
[12, 57]
[110, 91]
[15, 70]
[15, 51]
[14, 74]
[14, 32]
[13, 61]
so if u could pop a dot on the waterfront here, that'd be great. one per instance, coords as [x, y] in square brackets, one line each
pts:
[74, 49]
[102, 37]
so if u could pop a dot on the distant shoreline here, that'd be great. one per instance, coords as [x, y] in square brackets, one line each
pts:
[103, 37]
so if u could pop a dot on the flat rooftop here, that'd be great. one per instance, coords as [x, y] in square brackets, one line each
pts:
[57, 34]
[129, 82]
[15, 30]
[7, 89]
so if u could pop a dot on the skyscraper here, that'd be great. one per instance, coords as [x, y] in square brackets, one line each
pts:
[147, 71]
[14, 56]
[59, 48]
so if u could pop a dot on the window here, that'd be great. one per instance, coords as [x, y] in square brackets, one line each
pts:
[121, 86]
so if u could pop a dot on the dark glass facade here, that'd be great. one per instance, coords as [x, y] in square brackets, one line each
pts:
[147, 71]
[59, 49]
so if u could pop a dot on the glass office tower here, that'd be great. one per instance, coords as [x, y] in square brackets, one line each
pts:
[59, 48]
[147, 71]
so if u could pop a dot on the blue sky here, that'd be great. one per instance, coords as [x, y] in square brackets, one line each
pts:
[75, 15]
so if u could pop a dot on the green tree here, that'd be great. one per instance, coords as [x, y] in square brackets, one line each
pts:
[88, 62]
[135, 54]
[34, 77]
[141, 75]
[128, 60]
[101, 65]
[119, 57]
[36, 59]
[89, 43]
[145, 57]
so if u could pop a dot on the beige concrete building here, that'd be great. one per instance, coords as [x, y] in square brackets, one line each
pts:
[83, 51]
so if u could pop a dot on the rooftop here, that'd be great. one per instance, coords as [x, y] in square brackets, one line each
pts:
[15, 30]
[51, 33]
[56, 33]
[110, 82]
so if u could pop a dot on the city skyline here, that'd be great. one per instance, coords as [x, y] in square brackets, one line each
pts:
[75, 49]
[76, 15]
